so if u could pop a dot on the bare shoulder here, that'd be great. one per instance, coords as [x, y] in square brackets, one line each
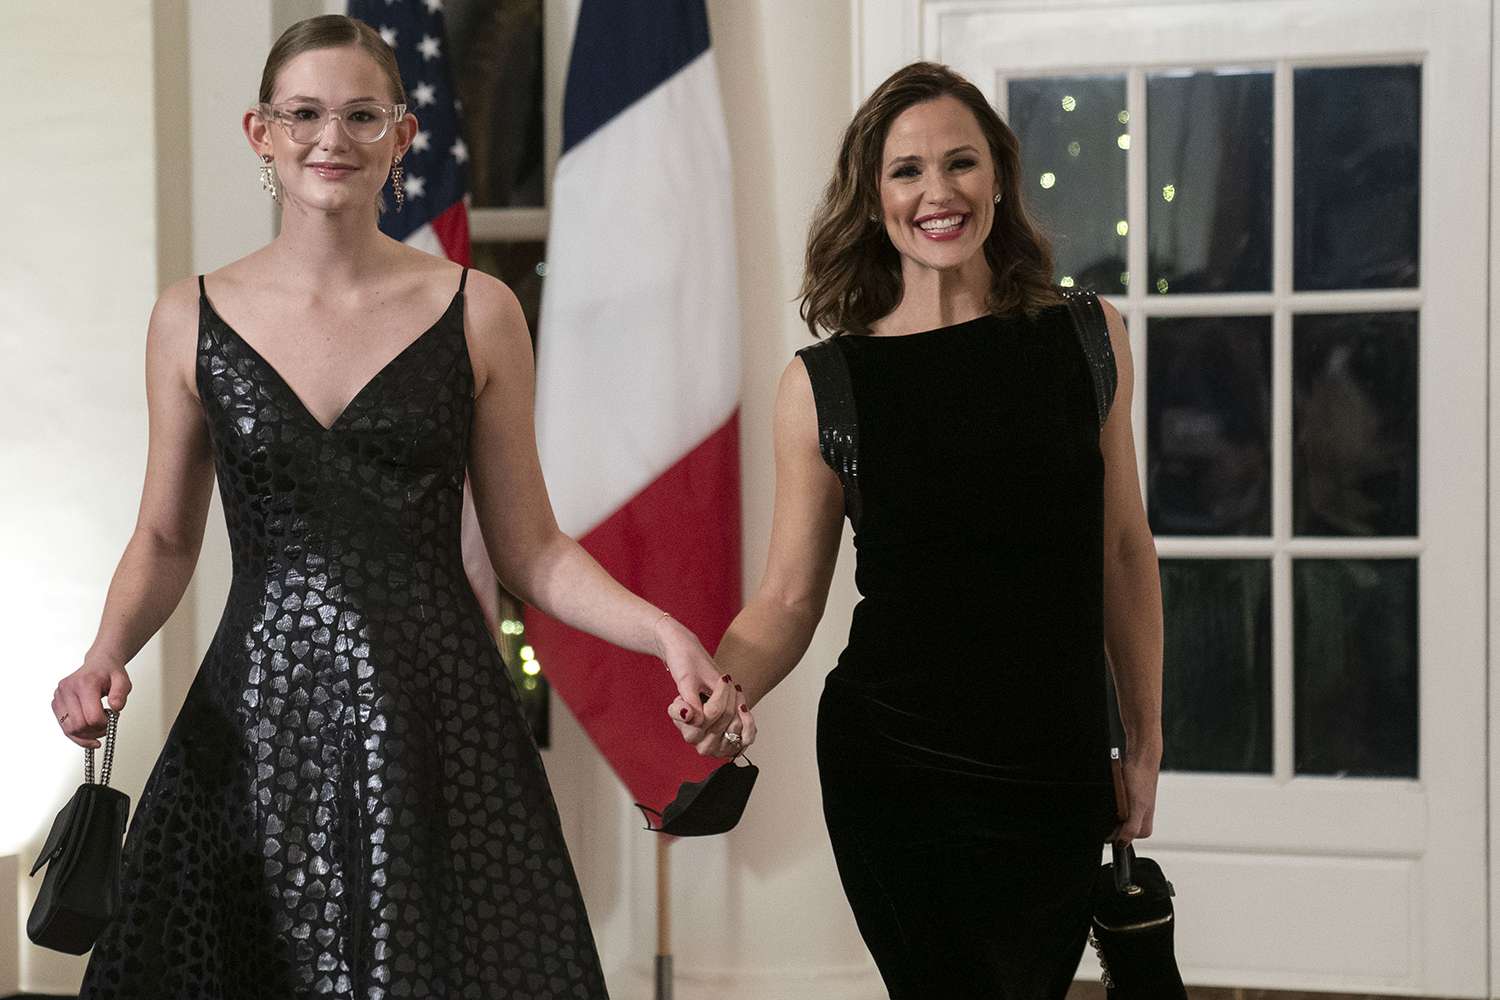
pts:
[796, 416]
[1112, 317]
[495, 327]
[794, 392]
[172, 334]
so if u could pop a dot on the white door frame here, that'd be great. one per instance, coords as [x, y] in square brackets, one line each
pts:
[890, 33]
[1492, 472]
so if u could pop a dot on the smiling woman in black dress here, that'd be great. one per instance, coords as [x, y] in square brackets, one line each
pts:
[350, 804]
[962, 415]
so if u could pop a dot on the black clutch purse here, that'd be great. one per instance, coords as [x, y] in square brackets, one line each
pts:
[81, 891]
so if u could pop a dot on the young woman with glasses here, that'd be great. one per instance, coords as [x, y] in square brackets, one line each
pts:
[961, 419]
[350, 803]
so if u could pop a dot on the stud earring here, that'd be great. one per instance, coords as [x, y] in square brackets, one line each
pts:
[398, 188]
[874, 217]
[998, 196]
[268, 178]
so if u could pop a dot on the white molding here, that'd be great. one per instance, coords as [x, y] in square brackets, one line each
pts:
[507, 225]
[1492, 546]
[887, 36]
[10, 929]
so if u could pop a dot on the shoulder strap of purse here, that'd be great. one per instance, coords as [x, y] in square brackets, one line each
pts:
[838, 420]
[1093, 335]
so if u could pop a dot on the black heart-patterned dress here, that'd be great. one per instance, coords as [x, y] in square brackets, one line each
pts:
[350, 803]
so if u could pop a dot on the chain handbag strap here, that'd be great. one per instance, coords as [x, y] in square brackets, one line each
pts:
[109, 752]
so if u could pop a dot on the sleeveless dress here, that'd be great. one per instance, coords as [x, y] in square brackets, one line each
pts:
[350, 803]
[963, 737]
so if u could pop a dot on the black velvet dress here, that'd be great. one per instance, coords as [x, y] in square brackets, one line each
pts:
[963, 736]
[350, 803]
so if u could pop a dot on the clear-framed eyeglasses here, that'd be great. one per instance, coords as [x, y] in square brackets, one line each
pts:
[304, 121]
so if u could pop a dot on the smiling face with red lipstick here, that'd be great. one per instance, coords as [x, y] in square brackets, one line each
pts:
[938, 186]
[909, 229]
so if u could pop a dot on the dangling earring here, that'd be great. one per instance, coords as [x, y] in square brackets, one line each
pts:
[397, 187]
[268, 178]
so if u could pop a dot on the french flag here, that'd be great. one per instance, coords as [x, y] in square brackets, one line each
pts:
[638, 365]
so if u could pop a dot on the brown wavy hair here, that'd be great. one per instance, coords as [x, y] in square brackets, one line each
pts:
[853, 273]
[330, 31]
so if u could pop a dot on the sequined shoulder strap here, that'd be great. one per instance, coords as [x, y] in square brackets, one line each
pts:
[1093, 334]
[838, 421]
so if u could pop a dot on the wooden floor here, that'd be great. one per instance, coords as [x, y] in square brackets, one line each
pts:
[1093, 991]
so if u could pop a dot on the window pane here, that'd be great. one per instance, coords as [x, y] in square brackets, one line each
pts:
[496, 48]
[521, 266]
[1209, 181]
[1074, 134]
[1208, 425]
[1216, 684]
[1355, 624]
[1354, 418]
[1357, 162]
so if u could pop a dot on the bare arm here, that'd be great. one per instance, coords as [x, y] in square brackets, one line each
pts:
[534, 559]
[767, 639]
[1132, 598]
[477, 564]
[163, 549]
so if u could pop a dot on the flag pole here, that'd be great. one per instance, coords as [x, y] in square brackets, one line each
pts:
[663, 920]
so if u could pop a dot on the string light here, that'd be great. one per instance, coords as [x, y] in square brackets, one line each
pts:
[1122, 228]
[1169, 192]
[1123, 141]
[1066, 281]
[1069, 102]
[1048, 179]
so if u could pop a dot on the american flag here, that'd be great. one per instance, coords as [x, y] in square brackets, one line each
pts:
[435, 217]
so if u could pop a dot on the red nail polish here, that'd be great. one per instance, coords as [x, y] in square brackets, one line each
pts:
[682, 712]
[744, 709]
[738, 688]
[726, 678]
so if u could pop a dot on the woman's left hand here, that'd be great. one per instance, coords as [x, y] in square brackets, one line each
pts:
[1141, 771]
[710, 708]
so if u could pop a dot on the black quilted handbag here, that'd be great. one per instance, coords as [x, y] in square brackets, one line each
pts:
[80, 893]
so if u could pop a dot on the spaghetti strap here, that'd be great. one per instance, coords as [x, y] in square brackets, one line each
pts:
[462, 279]
[202, 291]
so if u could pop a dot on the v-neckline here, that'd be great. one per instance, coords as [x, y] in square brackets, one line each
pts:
[294, 394]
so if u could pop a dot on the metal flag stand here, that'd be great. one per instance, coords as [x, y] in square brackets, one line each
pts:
[663, 921]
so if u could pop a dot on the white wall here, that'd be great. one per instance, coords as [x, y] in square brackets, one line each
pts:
[77, 279]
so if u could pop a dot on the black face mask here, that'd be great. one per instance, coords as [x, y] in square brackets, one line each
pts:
[702, 808]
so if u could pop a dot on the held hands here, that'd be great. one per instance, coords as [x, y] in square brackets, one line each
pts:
[709, 709]
[76, 702]
[1140, 771]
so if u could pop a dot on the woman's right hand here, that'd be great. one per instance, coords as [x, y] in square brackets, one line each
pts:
[77, 702]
